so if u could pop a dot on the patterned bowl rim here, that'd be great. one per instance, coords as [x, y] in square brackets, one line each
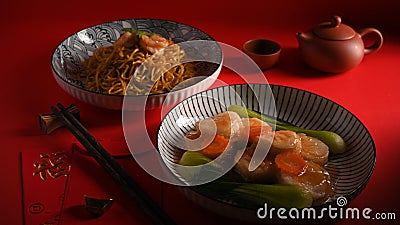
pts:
[349, 196]
[61, 78]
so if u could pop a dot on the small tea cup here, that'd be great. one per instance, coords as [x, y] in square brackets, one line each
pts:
[265, 53]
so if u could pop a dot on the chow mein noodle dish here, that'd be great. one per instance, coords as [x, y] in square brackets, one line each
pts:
[115, 69]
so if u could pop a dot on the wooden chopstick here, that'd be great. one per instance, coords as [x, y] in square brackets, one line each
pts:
[123, 179]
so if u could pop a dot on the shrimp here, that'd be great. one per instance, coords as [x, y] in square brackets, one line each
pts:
[285, 140]
[154, 43]
[216, 134]
[127, 40]
[265, 173]
[313, 149]
[315, 179]
[256, 128]
[274, 142]
[249, 122]
[228, 124]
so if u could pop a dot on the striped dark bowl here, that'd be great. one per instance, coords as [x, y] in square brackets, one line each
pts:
[351, 170]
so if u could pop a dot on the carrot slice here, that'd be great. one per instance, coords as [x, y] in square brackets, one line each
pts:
[291, 163]
[216, 147]
[192, 135]
[257, 131]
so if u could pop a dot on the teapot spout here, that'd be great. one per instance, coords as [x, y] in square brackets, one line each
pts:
[302, 36]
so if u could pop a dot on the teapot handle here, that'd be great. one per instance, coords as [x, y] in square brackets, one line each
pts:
[377, 44]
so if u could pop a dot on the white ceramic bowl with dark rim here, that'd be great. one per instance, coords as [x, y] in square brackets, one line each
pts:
[351, 169]
[72, 51]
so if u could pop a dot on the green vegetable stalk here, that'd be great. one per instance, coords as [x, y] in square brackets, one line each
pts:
[197, 167]
[245, 194]
[193, 158]
[255, 195]
[334, 141]
[139, 33]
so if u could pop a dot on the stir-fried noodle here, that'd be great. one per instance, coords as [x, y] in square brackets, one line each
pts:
[110, 69]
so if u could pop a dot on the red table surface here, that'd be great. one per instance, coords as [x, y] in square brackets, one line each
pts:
[30, 30]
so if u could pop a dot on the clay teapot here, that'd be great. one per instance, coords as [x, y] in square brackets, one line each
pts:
[335, 47]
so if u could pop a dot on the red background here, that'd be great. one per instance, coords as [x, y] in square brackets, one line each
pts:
[30, 30]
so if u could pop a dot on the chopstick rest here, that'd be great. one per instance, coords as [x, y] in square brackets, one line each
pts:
[50, 122]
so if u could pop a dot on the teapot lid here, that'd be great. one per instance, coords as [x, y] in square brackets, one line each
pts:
[334, 30]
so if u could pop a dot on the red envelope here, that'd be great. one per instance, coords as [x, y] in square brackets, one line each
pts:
[43, 195]
[88, 178]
